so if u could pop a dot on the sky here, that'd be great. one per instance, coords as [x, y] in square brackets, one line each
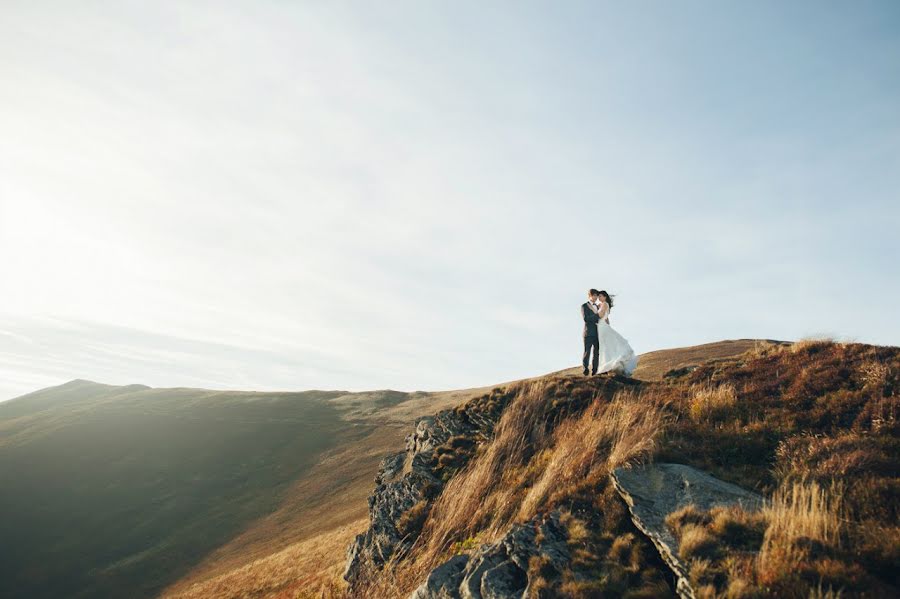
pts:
[417, 195]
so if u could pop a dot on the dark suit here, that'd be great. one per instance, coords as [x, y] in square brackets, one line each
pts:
[591, 340]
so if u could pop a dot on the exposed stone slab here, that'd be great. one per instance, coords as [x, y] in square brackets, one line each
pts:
[654, 491]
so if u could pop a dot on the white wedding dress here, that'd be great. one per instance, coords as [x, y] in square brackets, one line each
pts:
[615, 352]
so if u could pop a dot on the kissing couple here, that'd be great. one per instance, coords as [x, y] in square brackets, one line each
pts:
[612, 353]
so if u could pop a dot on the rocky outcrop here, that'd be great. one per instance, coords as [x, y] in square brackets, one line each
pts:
[499, 570]
[407, 479]
[654, 491]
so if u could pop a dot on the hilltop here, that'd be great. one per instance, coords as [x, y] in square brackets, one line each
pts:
[782, 477]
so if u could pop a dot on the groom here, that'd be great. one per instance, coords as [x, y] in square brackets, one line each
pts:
[591, 338]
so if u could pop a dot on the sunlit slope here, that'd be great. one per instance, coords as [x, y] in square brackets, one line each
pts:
[333, 494]
[127, 490]
[113, 491]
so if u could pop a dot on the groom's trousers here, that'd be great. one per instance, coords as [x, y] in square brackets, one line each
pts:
[591, 342]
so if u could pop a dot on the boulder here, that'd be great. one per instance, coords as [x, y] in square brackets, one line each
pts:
[499, 570]
[654, 491]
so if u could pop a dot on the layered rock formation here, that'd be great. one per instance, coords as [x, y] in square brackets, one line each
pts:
[654, 491]
[499, 570]
[412, 476]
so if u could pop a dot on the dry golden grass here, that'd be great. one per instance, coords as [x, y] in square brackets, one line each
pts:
[710, 402]
[331, 496]
[605, 436]
[731, 552]
[527, 465]
[812, 343]
[472, 498]
[819, 593]
[653, 366]
[737, 527]
[308, 568]
[798, 514]
[684, 516]
[805, 510]
[762, 348]
[826, 457]
[875, 374]
[805, 407]
[478, 499]
[696, 542]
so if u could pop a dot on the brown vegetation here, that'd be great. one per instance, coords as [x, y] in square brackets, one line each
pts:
[813, 428]
[786, 420]
[553, 447]
[810, 425]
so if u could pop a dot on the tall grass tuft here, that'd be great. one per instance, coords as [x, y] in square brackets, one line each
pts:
[799, 515]
[606, 436]
[712, 402]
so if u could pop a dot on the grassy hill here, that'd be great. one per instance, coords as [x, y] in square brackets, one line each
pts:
[810, 426]
[130, 491]
[113, 491]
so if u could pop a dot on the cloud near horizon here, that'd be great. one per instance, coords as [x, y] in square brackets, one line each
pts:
[416, 196]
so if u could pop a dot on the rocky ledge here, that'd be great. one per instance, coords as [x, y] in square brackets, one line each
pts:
[413, 477]
[440, 446]
[654, 491]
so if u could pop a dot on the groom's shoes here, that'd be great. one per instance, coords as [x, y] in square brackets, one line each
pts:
[584, 372]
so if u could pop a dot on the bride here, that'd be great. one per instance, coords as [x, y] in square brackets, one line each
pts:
[615, 352]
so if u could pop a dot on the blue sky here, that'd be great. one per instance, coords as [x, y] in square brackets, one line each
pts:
[416, 195]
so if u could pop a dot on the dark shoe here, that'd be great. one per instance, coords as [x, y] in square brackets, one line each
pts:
[584, 372]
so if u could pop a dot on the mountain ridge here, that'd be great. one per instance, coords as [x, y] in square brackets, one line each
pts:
[216, 439]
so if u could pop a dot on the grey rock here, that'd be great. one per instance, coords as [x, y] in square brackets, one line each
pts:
[395, 493]
[403, 480]
[499, 570]
[443, 581]
[654, 491]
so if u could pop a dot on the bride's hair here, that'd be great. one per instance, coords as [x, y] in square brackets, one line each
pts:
[608, 297]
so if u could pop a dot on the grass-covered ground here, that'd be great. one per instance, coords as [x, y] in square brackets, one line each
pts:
[812, 426]
[124, 491]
